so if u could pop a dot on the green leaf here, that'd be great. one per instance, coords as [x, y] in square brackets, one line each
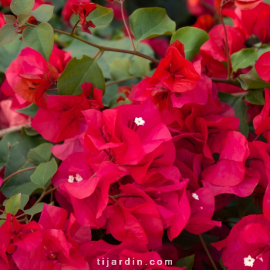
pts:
[77, 72]
[240, 110]
[29, 131]
[186, 262]
[41, 153]
[28, 188]
[251, 80]
[14, 149]
[11, 19]
[24, 201]
[243, 58]
[43, 13]
[139, 66]
[13, 204]
[9, 52]
[35, 209]
[193, 38]
[101, 15]
[43, 173]
[222, 265]
[23, 18]
[120, 69]
[151, 22]
[255, 97]
[40, 38]
[7, 34]
[246, 206]
[30, 110]
[21, 6]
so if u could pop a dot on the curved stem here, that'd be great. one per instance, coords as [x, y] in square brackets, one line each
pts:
[18, 172]
[125, 23]
[207, 252]
[74, 28]
[97, 53]
[228, 81]
[119, 81]
[45, 193]
[3, 132]
[104, 48]
[226, 42]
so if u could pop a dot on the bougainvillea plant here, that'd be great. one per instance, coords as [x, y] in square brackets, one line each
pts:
[130, 143]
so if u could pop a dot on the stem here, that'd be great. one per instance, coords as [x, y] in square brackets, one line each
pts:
[119, 81]
[97, 53]
[74, 28]
[23, 170]
[45, 193]
[125, 23]
[207, 252]
[104, 48]
[206, 5]
[3, 132]
[226, 42]
[228, 81]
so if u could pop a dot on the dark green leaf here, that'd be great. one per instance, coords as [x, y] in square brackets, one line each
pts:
[12, 205]
[77, 72]
[40, 38]
[251, 80]
[222, 265]
[255, 97]
[21, 6]
[31, 110]
[24, 201]
[186, 262]
[243, 58]
[246, 206]
[43, 13]
[7, 34]
[41, 153]
[14, 149]
[35, 209]
[9, 52]
[101, 15]
[43, 173]
[28, 188]
[193, 38]
[240, 110]
[151, 22]
[11, 19]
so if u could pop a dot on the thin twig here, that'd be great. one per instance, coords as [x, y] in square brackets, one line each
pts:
[5, 131]
[45, 193]
[207, 252]
[74, 28]
[228, 81]
[227, 49]
[104, 48]
[97, 53]
[23, 170]
[119, 81]
[125, 23]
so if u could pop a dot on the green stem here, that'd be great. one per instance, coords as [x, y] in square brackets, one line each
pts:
[228, 81]
[119, 81]
[207, 252]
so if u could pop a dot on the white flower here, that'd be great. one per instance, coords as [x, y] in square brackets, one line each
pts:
[195, 196]
[71, 179]
[139, 121]
[249, 261]
[78, 178]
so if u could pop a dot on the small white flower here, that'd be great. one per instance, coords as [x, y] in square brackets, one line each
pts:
[249, 261]
[71, 179]
[139, 121]
[78, 178]
[195, 196]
